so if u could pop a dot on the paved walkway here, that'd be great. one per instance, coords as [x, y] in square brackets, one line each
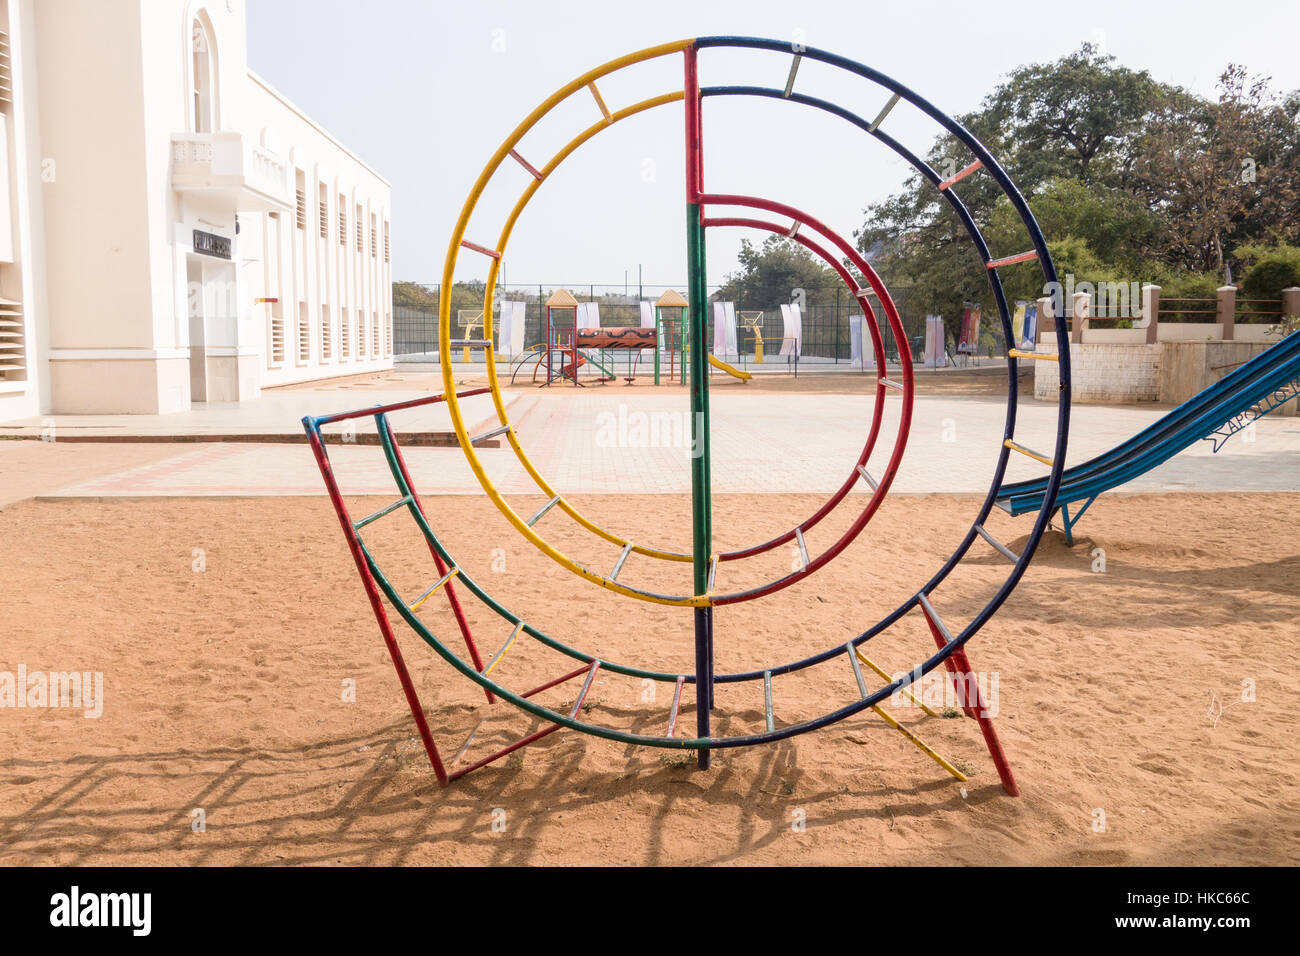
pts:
[628, 442]
[276, 412]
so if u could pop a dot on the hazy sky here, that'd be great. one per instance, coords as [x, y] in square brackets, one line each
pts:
[426, 91]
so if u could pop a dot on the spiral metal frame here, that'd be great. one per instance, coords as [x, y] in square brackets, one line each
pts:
[950, 645]
[701, 597]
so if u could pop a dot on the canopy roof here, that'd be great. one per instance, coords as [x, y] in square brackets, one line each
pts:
[561, 299]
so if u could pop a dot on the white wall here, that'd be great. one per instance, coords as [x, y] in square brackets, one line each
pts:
[106, 87]
[319, 270]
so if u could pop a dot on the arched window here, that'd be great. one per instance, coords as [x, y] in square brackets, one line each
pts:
[202, 80]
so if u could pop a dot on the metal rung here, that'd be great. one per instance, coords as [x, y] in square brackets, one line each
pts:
[794, 68]
[478, 439]
[803, 548]
[470, 343]
[953, 180]
[857, 668]
[1041, 356]
[854, 655]
[864, 293]
[586, 686]
[468, 740]
[934, 618]
[1028, 452]
[483, 249]
[890, 383]
[884, 675]
[381, 512]
[871, 481]
[451, 573]
[545, 508]
[600, 101]
[618, 565]
[1012, 260]
[496, 658]
[767, 699]
[536, 173]
[677, 701]
[713, 572]
[793, 230]
[893, 101]
[996, 543]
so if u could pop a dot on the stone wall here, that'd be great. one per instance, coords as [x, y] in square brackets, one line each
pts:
[1190, 367]
[1104, 373]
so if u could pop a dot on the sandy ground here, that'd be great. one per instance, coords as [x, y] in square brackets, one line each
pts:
[29, 467]
[229, 633]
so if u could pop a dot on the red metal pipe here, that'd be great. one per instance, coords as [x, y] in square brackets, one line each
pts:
[521, 742]
[905, 417]
[963, 677]
[376, 604]
[694, 150]
[559, 680]
[878, 410]
[397, 406]
[538, 734]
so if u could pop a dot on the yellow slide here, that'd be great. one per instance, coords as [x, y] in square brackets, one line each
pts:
[729, 369]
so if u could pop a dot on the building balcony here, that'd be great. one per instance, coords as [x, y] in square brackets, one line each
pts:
[229, 169]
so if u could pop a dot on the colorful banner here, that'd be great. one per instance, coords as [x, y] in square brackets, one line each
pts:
[970, 329]
[1024, 325]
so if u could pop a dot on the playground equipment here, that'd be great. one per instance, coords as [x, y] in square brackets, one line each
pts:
[569, 345]
[670, 323]
[875, 467]
[731, 370]
[724, 340]
[1233, 403]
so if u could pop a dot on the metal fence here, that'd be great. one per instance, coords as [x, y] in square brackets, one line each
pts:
[826, 314]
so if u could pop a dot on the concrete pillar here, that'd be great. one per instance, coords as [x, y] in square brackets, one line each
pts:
[1227, 316]
[1080, 309]
[1291, 301]
[1151, 312]
[1046, 320]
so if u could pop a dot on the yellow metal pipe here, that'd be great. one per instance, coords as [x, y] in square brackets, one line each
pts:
[1028, 452]
[1041, 356]
[881, 671]
[920, 744]
[444, 335]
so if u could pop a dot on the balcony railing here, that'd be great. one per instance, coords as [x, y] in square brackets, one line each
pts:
[229, 168]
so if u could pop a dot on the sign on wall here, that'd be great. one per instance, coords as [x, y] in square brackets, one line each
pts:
[210, 244]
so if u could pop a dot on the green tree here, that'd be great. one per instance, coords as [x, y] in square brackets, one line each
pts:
[771, 272]
[1218, 173]
[1064, 131]
[1074, 118]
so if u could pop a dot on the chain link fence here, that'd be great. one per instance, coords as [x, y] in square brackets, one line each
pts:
[826, 313]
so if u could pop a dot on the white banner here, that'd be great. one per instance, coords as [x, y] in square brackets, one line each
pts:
[724, 329]
[792, 335]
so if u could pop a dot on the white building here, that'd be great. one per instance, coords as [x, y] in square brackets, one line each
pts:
[173, 229]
